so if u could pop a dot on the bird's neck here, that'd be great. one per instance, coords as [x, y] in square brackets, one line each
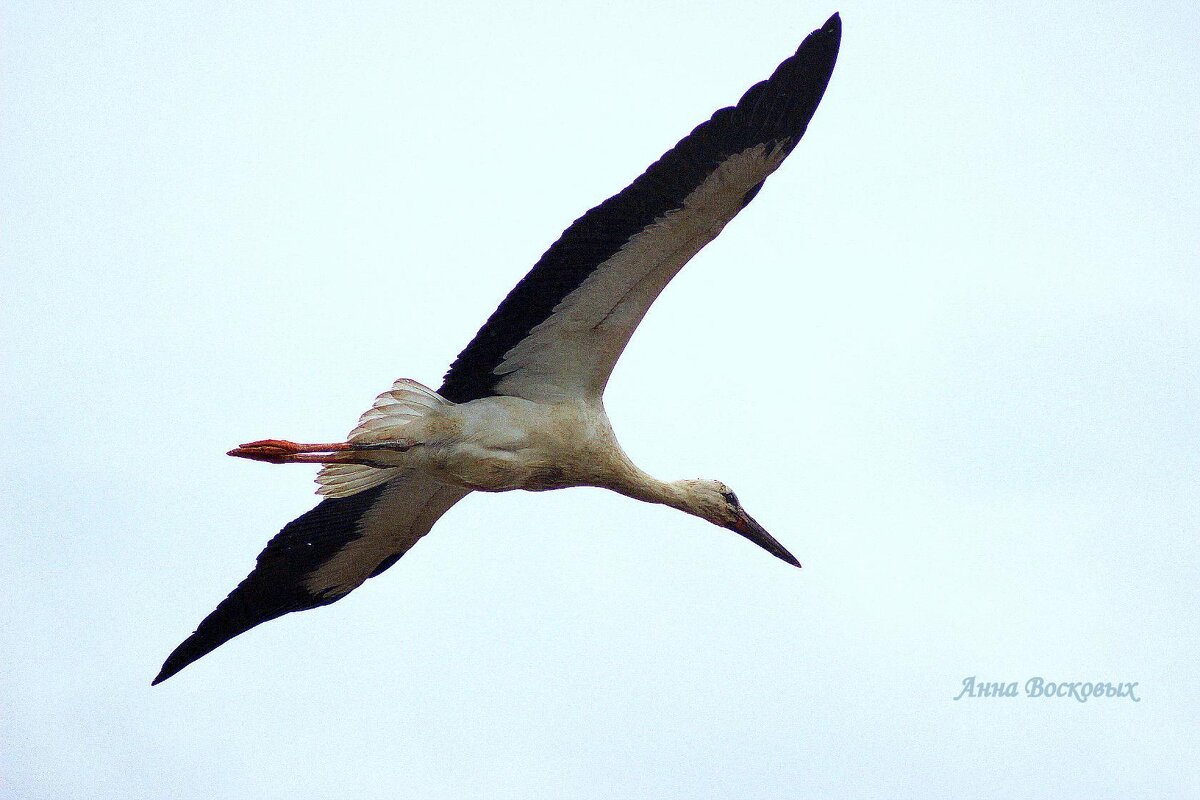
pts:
[641, 486]
[621, 475]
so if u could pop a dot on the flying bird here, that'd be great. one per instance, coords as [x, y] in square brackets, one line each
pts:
[521, 407]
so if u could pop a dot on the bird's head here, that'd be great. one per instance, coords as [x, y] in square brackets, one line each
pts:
[716, 502]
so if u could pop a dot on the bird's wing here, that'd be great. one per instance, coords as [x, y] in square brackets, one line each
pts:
[321, 557]
[561, 330]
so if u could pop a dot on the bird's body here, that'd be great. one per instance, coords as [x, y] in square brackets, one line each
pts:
[497, 444]
[509, 443]
[522, 407]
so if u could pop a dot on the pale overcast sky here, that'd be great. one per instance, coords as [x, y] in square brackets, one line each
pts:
[949, 357]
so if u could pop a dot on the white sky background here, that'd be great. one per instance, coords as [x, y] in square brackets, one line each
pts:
[948, 357]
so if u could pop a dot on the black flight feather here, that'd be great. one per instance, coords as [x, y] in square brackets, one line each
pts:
[776, 110]
[276, 586]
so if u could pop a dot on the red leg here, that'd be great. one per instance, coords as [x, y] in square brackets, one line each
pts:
[281, 451]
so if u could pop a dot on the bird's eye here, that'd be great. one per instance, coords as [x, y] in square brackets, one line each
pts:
[730, 498]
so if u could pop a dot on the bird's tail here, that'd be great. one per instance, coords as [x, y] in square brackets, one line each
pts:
[406, 401]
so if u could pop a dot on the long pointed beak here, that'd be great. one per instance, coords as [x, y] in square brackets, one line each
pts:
[747, 527]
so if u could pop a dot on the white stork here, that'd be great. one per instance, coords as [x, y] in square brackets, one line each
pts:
[521, 407]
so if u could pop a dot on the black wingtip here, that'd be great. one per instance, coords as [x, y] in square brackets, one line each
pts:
[278, 583]
[829, 34]
[827, 39]
[181, 656]
[196, 646]
[812, 66]
[168, 669]
[171, 666]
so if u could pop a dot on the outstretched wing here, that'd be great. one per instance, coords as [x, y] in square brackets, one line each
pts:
[321, 557]
[561, 330]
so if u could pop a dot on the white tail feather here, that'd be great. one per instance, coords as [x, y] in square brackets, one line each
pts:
[405, 401]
